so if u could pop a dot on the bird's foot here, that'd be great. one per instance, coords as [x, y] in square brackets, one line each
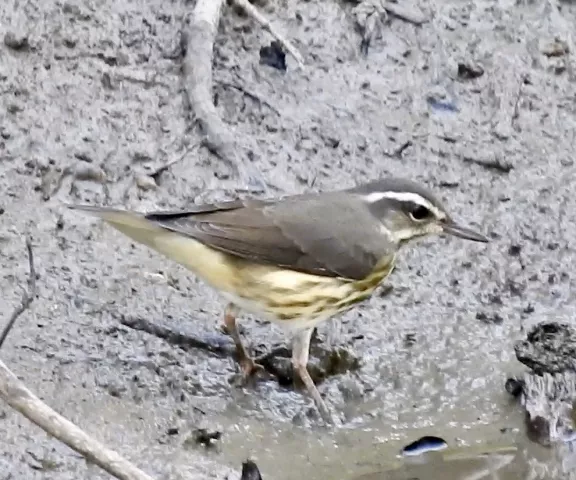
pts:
[251, 369]
[250, 372]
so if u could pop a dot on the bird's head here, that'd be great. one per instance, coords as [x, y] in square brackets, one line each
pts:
[408, 211]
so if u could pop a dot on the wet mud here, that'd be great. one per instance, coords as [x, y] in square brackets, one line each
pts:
[477, 103]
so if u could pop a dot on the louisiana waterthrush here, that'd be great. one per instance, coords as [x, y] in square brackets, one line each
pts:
[295, 261]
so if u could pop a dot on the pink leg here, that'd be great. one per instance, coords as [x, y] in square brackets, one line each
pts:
[248, 365]
[300, 353]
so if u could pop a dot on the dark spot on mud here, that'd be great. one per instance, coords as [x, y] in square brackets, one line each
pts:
[490, 318]
[514, 386]
[273, 56]
[250, 471]
[16, 41]
[409, 340]
[469, 70]
[204, 437]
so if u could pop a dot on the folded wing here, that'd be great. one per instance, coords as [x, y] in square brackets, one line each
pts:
[314, 234]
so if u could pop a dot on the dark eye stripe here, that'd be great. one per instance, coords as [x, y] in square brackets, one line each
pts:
[409, 207]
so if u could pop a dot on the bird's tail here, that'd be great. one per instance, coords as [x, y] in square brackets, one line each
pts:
[133, 224]
[205, 262]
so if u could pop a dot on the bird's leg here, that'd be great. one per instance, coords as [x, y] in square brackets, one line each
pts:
[248, 365]
[300, 353]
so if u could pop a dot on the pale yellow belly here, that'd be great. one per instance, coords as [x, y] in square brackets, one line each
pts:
[297, 300]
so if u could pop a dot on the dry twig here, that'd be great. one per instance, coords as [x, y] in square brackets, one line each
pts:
[253, 12]
[27, 296]
[254, 96]
[163, 168]
[495, 163]
[198, 36]
[15, 394]
[198, 44]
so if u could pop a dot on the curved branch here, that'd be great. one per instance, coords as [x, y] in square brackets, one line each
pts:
[198, 38]
[15, 394]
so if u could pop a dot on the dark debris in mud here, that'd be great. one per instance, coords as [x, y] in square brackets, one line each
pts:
[250, 471]
[468, 70]
[273, 56]
[548, 391]
[324, 363]
[549, 348]
[206, 438]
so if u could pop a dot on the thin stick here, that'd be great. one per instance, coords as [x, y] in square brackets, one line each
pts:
[253, 12]
[15, 394]
[254, 96]
[161, 169]
[27, 296]
[410, 16]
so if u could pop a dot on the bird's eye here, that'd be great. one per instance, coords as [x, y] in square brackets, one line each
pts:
[420, 213]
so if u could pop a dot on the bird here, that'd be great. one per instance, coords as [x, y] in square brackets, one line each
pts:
[295, 260]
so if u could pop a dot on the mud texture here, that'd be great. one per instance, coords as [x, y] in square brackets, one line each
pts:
[477, 103]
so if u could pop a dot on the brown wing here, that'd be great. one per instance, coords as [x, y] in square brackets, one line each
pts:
[240, 228]
[310, 233]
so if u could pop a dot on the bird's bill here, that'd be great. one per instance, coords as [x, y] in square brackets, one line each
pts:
[452, 228]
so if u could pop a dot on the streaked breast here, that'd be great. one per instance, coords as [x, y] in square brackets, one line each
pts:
[285, 295]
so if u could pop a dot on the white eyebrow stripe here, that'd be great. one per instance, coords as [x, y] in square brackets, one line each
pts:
[403, 197]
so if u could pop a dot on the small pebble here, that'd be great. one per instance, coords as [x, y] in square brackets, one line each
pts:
[145, 182]
[557, 48]
[424, 445]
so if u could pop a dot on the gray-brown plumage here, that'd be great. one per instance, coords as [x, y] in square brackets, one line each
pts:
[295, 261]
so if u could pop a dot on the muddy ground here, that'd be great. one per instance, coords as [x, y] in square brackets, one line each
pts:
[95, 88]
